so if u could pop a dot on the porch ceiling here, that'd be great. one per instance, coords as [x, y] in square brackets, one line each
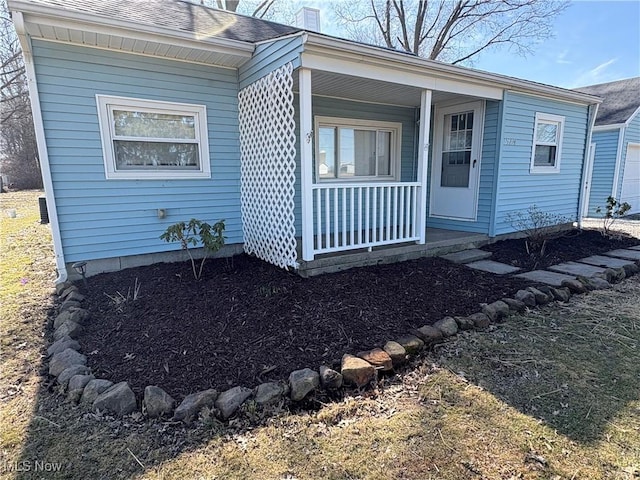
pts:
[367, 90]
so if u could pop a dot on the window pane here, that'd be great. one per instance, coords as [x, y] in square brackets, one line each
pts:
[357, 152]
[153, 125]
[327, 147]
[384, 153]
[547, 132]
[545, 156]
[156, 155]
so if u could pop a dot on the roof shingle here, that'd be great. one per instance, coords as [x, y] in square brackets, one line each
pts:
[620, 100]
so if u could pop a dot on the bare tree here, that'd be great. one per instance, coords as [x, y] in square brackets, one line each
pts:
[451, 31]
[17, 136]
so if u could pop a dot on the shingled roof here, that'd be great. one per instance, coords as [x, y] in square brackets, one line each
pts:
[179, 15]
[620, 100]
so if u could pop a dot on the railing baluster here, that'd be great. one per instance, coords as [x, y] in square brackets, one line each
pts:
[367, 209]
[414, 209]
[359, 215]
[389, 213]
[318, 232]
[327, 219]
[401, 213]
[335, 217]
[374, 215]
[344, 217]
[352, 191]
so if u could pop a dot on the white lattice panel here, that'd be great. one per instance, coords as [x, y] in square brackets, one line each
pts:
[267, 153]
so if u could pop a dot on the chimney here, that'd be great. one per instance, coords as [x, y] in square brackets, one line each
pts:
[308, 18]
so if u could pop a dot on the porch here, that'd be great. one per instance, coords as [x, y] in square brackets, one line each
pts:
[438, 242]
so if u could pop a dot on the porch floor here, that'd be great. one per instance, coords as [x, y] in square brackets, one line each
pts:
[438, 242]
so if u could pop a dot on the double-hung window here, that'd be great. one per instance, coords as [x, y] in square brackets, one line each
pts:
[352, 150]
[547, 143]
[145, 139]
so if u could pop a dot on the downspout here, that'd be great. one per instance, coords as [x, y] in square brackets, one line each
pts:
[618, 167]
[25, 42]
[593, 112]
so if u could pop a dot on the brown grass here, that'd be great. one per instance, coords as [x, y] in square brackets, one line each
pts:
[550, 395]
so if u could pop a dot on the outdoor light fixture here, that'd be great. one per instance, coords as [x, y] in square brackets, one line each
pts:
[81, 268]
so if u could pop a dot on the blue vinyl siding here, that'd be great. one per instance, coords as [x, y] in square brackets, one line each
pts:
[487, 177]
[270, 56]
[518, 189]
[102, 218]
[604, 164]
[631, 135]
[332, 107]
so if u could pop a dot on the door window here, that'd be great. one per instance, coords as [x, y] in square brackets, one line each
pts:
[456, 150]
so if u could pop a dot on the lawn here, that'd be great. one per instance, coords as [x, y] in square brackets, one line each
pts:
[552, 394]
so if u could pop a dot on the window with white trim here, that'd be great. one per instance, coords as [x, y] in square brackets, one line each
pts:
[148, 139]
[354, 150]
[547, 143]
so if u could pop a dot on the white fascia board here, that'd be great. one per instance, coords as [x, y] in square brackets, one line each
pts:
[64, 18]
[604, 128]
[377, 55]
[364, 68]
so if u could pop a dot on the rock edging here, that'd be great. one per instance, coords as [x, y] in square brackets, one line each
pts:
[68, 365]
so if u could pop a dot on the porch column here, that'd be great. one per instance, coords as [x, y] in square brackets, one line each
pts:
[306, 163]
[423, 164]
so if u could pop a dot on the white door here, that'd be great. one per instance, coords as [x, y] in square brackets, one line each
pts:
[455, 172]
[631, 180]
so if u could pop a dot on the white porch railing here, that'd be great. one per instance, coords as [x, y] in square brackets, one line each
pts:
[357, 215]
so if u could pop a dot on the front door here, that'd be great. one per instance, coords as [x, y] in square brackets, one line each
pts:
[455, 171]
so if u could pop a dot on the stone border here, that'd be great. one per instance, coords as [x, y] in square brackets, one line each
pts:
[69, 366]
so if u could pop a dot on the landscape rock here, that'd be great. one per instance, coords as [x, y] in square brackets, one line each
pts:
[562, 294]
[62, 344]
[76, 386]
[157, 402]
[68, 373]
[526, 297]
[272, 392]
[447, 326]
[464, 323]
[631, 269]
[586, 282]
[68, 329]
[302, 382]
[78, 382]
[496, 311]
[411, 344]
[541, 297]
[61, 287]
[118, 399]
[357, 371]
[64, 359]
[378, 358]
[93, 389]
[480, 320]
[621, 274]
[74, 297]
[329, 378]
[574, 286]
[396, 351]
[429, 334]
[68, 291]
[69, 305]
[79, 316]
[515, 305]
[599, 283]
[229, 401]
[610, 275]
[192, 404]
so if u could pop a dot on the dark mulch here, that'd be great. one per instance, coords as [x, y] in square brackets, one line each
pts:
[573, 245]
[248, 322]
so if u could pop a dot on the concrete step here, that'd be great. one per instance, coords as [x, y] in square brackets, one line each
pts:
[467, 256]
[575, 268]
[338, 262]
[604, 261]
[624, 253]
[493, 267]
[542, 276]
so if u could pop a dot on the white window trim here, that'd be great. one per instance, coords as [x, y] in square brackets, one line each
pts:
[107, 103]
[396, 147]
[547, 118]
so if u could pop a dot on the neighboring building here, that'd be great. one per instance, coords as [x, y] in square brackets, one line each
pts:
[156, 111]
[616, 137]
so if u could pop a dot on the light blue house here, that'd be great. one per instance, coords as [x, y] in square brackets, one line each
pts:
[153, 112]
[616, 144]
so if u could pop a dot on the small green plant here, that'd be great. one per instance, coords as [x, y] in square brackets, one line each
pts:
[537, 225]
[614, 211]
[193, 234]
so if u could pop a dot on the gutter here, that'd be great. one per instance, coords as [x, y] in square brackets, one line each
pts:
[369, 54]
[34, 97]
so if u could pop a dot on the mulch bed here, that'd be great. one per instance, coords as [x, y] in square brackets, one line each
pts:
[247, 322]
[574, 245]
